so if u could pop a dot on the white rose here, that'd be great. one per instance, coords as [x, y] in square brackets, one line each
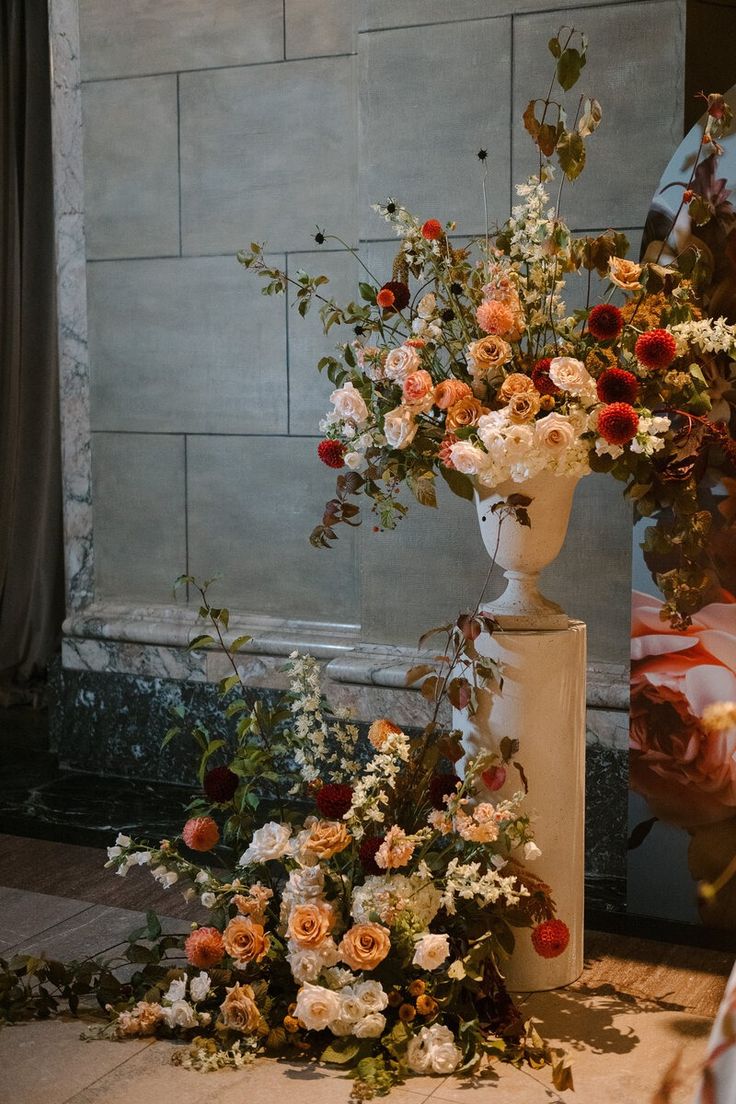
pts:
[351, 1007]
[467, 458]
[401, 362]
[554, 433]
[433, 1050]
[199, 987]
[518, 441]
[177, 990]
[372, 1027]
[399, 427]
[531, 851]
[341, 1027]
[181, 1014]
[427, 305]
[353, 460]
[371, 995]
[304, 884]
[491, 426]
[417, 1058]
[571, 375]
[431, 951]
[444, 1058]
[307, 963]
[316, 1007]
[208, 900]
[269, 842]
[349, 403]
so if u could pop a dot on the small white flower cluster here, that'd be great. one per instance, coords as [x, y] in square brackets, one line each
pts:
[647, 441]
[352, 1010]
[322, 748]
[427, 323]
[372, 792]
[708, 335]
[241, 1054]
[134, 858]
[468, 882]
[180, 1012]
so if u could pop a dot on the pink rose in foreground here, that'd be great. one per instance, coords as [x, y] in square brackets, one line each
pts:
[687, 775]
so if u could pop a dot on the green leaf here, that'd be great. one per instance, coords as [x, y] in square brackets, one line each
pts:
[423, 489]
[458, 483]
[226, 684]
[554, 47]
[153, 925]
[701, 210]
[571, 154]
[368, 292]
[570, 65]
[204, 640]
[240, 642]
[340, 1051]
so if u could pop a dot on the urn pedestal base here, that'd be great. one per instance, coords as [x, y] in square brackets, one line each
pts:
[542, 705]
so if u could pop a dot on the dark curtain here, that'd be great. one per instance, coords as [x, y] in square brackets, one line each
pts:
[31, 551]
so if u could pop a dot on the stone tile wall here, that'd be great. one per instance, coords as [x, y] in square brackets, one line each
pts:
[209, 125]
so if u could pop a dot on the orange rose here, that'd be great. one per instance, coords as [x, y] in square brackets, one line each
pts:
[309, 925]
[255, 904]
[524, 406]
[245, 941]
[515, 384]
[624, 274]
[327, 838]
[204, 948]
[417, 386]
[488, 355]
[240, 1011]
[449, 392]
[465, 413]
[364, 946]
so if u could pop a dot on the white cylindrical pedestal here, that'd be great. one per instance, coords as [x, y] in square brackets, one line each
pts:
[542, 705]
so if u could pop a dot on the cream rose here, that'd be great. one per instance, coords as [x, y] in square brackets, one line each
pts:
[180, 1014]
[571, 375]
[399, 427]
[269, 842]
[304, 884]
[431, 951]
[239, 1009]
[349, 403]
[467, 458]
[309, 925]
[245, 941]
[317, 1006]
[371, 995]
[401, 362]
[624, 274]
[307, 963]
[199, 987]
[433, 1050]
[364, 946]
[554, 433]
[371, 1027]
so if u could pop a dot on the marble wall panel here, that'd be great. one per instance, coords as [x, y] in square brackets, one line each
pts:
[309, 390]
[253, 502]
[131, 167]
[382, 14]
[635, 61]
[185, 345]
[424, 116]
[154, 36]
[138, 498]
[320, 27]
[267, 152]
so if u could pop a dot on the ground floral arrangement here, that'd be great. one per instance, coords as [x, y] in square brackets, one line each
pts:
[479, 374]
[363, 897]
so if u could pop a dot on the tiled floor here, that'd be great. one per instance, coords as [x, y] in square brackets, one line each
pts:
[637, 1007]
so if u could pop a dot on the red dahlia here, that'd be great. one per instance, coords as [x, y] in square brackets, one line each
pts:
[656, 349]
[334, 800]
[550, 938]
[432, 230]
[617, 385]
[605, 321]
[220, 784]
[331, 453]
[618, 423]
[394, 295]
[540, 378]
[440, 787]
[367, 854]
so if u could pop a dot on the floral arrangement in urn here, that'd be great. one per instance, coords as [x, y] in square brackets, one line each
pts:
[361, 898]
[480, 375]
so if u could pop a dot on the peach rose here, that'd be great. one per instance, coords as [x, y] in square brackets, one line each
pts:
[515, 384]
[523, 407]
[465, 413]
[245, 941]
[200, 833]
[417, 386]
[554, 433]
[309, 925]
[686, 774]
[624, 274]
[204, 948]
[143, 1019]
[255, 903]
[327, 838]
[449, 392]
[364, 946]
[380, 731]
[488, 355]
[401, 362]
[239, 1009]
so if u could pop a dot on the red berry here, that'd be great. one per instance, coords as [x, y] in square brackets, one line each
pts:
[617, 385]
[550, 938]
[687, 195]
[331, 453]
[334, 800]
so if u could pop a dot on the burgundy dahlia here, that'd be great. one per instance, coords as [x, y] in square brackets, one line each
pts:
[656, 349]
[605, 322]
[220, 784]
[400, 292]
[367, 854]
[440, 787]
[334, 800]
[550, 938]
[618, 423]
[617, 385]
[331, 453]
[541, 380]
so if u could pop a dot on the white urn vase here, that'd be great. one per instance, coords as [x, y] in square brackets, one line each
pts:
[523, 551]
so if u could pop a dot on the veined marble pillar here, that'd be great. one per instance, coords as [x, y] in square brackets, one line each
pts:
[542, 705]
